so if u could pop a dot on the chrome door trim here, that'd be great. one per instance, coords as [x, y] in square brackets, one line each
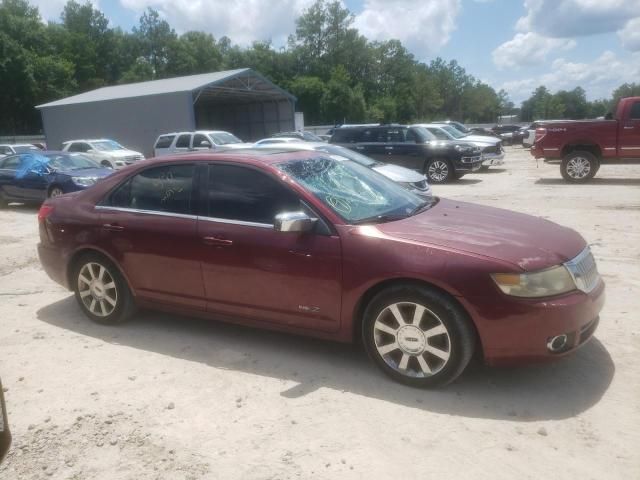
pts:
[147, 212]
[236, 222]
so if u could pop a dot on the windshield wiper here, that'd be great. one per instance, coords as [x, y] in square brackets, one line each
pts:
[426, 205]
[381, 219]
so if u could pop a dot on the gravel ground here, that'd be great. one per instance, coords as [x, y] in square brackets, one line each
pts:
[171, 397]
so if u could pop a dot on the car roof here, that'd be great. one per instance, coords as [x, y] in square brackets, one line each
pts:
[193, 132]
[17, 145]
[89, 140]
[250, 155]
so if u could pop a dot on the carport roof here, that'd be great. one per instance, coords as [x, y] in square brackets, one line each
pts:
[245, 81]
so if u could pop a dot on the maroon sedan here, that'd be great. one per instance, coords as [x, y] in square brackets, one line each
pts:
[322, 246]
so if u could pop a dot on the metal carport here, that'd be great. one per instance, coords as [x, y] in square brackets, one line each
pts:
[239, 101]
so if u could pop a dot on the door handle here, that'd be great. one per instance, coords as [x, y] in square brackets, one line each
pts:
[388, 148]
[112, 227]
[628, 128]
[300, 253]
[359, 148]
[218, 242]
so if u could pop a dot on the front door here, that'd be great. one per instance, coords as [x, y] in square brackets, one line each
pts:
[372, 143]
[630, 133]
[149, 226]
[252, 271]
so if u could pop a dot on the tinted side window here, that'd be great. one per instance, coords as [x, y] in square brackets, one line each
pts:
[440, 135]
[165, 141]
[5, 151]
[183, 141]
[395, 135]
[10, 163]
[635, 111]
[198, 138]
[374, 135]
[244, 194]
[76, 147]
[161, 189]
[345, 135]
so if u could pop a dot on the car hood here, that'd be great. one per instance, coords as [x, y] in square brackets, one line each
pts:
[531, 243]
[87, 172]
[120, 153]
[237, 145]
[398, 173]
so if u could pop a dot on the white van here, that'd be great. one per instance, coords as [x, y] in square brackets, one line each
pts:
[184, 142]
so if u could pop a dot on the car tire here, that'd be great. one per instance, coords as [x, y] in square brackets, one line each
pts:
[579, 166]
[106, 164]
[417, 335]
[101, 290]
[3, 202]
[55, 191]
[439, 170]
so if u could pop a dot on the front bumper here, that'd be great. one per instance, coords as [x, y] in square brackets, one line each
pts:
[492, 159]
[516, 331]
[469, 164]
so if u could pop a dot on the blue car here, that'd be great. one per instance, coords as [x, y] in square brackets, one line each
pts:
[32, 177]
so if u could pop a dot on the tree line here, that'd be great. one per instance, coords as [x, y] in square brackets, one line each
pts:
[335, 72]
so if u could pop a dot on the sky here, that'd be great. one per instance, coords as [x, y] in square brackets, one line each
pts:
[514, 45]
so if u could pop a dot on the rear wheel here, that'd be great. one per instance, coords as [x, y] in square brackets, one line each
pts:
[579, 166]
[439, 171]
[101, 291]
[418, 336]
[55, 192]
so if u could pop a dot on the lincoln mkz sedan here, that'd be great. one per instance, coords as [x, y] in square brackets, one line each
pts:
[318, 245]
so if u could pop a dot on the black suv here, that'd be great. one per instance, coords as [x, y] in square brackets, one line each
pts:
[412, 147]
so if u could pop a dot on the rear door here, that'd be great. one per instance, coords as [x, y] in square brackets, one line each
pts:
[149, 225]
[8, 169]
[629, 138]
[163, 145]
[183, 143]
[372, 143]
[403, 149]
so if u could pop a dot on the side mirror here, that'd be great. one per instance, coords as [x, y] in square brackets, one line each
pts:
[91, 150]
[205, 144]
[294, 222]
[5, 434]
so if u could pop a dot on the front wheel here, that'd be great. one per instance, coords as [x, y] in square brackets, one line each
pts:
[579, 166]
[55, 192]
[418, 336]
[101, 290]
[439, 171]
[106, 164]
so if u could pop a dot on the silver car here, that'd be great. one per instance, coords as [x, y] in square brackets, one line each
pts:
[410, 179]
[492, 151]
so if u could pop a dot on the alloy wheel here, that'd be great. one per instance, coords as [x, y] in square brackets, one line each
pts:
[97, 289]
[438, 171]
[412, 339]
[55, 192]
[578, 168]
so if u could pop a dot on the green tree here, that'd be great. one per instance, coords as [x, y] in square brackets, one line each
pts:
[156, 39]
[309, 92]
[340, 103]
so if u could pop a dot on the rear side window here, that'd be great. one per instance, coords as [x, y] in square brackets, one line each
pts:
[5, 151]
[243, 194]
[165, 141]
[161, 189]
[183, 141]
[345, 135]
[635, 111]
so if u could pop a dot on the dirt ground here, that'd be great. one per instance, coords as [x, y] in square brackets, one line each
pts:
[176, 398]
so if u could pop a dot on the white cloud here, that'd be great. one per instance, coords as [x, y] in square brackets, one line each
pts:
[572, 18]
[52, 9]
[241, 20]
[527, 49]
[423, 27]
[630, 35]
[598, 77]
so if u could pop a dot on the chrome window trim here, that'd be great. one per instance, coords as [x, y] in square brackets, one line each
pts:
[147, 212]
[236, 222]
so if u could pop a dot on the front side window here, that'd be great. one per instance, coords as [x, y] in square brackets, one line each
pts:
[224, 138]
[78, 147]
[439, 134]
[247, 195]
[452, 132]
[635, 111]
[201, 141]
[183, 141]
[5, 151]
[354, 192]
[65, 161]
[106, 146]
[161, 189]
[10, 163]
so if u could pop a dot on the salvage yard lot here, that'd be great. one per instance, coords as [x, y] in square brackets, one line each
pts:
[172, 397]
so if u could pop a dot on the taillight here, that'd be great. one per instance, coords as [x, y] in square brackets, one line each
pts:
[540, 133]
[44, 212]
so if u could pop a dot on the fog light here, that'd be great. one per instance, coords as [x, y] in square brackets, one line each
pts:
[557, 343]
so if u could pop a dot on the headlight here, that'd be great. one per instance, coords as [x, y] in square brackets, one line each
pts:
[461, 148]
[84, 181]
[553, 281]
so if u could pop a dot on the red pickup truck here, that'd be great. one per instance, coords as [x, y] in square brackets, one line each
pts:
[582, 146]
